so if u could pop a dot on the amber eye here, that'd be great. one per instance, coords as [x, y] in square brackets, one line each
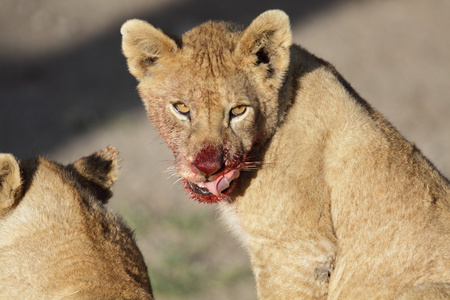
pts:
[238, 110]
[181, 108]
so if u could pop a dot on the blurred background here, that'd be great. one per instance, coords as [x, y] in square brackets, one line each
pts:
[65, 92]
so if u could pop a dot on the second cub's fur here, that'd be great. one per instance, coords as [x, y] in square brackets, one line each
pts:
[57, 238]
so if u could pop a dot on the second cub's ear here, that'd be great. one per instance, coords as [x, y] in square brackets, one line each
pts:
[99, 167]
[267, 40]
[98, 172]
[143, 45]
[10, 181]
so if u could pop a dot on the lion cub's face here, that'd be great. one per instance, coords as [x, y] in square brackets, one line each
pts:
[212, 94]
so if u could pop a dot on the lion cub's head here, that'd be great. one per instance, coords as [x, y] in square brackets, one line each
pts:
[214, 94]
[58, 239]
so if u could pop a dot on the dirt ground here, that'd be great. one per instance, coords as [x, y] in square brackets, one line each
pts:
[65, 92]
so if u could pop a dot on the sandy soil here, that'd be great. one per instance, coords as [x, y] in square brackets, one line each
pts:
[65, 92]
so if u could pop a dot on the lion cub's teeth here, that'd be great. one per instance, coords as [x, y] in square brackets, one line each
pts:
[201, 184]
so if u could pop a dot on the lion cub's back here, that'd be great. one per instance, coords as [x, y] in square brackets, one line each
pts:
[58, 239]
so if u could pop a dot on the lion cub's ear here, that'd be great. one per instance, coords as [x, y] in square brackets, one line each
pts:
[266, 42]
[143, 45]
[99, 168]
[9, 181]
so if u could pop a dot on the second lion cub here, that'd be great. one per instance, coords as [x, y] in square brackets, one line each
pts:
[330, 200]
[58, 240]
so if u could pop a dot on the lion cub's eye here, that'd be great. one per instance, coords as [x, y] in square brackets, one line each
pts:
[238, 110]
[181, 108]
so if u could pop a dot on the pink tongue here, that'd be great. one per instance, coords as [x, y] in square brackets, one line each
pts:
[222, 182]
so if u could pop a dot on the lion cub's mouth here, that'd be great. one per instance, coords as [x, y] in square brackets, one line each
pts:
[214, 187]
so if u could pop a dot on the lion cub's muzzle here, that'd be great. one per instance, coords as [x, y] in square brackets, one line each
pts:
[218, 172]
[209, 160]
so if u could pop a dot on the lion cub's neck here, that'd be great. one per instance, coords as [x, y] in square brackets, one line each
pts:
[284, 215]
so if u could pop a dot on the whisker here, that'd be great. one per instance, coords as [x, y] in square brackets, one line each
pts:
[253, 165]
[170, 169]
[167, 160]
[74, 292]
[172, 175]
[251, 157]
[177, 181]
[155, 139]
[250, 169]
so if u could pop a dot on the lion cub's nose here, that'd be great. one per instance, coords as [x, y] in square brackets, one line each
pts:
[209, 160]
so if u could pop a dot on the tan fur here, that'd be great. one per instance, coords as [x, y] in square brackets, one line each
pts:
[331, 201]
[57, 239]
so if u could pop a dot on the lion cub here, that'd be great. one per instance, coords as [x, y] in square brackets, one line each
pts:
[58, 240]
[330, 200]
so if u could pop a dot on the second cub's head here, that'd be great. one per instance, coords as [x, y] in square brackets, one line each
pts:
[213, 94]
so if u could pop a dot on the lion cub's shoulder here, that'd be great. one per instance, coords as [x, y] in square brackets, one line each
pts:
[57, 236]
